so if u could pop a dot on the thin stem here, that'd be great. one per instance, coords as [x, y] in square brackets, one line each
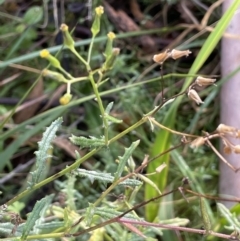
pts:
[81, 59]
[221, 157]
[90, 49]
[68, 88]
[100, 104]
[170, 130]
[66, 73]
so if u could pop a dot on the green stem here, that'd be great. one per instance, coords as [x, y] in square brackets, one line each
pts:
[90, 49]
[100, 104]
[81, 59]
[66, 73]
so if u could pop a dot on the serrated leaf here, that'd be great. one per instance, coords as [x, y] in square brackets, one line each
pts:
[205, 217]
[89, 214]
[91, 142]
[232, 220]
[109, 107]
[7, 228]
[41, 154]
[106, 177]
[33, 15]
[124, 158]
[37, 211]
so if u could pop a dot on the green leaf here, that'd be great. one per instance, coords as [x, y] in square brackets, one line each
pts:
[230, 217]
[109, 107]
[205, 217]
[105, 177]
[38, 210]
[41, 154]
[124, 158]
[33, 15]
[84, 142]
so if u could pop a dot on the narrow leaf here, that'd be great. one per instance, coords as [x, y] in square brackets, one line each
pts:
[35, 214]
[106, 177]
[109, 107]
[232, 220]
[205, 217]
[84, 142]
[124, 158]
[41, 154]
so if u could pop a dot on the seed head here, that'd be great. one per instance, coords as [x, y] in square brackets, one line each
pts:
[192, 94]
[176, 54]
[236, 149]
[222, 128]
[204, 81]
[160, 58]
[197, 142]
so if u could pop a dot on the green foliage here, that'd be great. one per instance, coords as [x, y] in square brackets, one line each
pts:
[41, 155]
[37, 213]
[133, 197]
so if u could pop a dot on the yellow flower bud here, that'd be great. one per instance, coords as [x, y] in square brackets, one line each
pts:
[44, 53]
[67, 38]
[52, 60]
[96, 23]
[109, 46]
[111, 35]
[65, 99]
[99, 10]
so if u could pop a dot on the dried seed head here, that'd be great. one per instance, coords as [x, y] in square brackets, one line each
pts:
[160, 58]
[236, 149]
[225, 129]
[176, 54]
[204, 81]
[197, 142]
[227, 150]
[192, 94]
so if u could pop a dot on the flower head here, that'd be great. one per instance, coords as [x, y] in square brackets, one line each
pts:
[65, 99]
[52, 60]
[99, 10]
[111, 35]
